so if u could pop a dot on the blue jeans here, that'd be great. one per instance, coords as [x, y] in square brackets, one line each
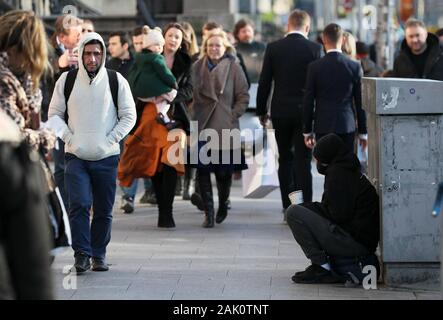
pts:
[129, 192]
[90, 183]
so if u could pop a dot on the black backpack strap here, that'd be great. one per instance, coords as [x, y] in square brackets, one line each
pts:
[113, 84]
[69, 84]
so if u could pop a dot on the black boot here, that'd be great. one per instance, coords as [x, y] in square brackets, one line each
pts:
[196, 198]
[165, 220]
[224, 189]
[208, 201]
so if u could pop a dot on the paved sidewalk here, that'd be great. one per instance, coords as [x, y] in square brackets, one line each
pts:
[252, 255]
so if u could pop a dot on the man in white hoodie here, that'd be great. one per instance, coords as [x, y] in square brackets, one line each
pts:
[92, 133]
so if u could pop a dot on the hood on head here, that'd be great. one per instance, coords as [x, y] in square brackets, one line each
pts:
[330, 150]
[83, 41]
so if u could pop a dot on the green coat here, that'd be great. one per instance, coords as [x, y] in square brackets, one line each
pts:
[150, 77]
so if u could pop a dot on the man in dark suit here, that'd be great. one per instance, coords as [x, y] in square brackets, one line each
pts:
[286, 63]
[333, 85]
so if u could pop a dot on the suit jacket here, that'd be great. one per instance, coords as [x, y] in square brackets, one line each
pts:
[334, 84]
[286, 62]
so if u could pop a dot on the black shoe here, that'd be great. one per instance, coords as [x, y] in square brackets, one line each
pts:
[99, 264]
[160, 118]
[128, 204]
[222, 213]
[197, 201]
[315, 274]
[171, 125]
[209, 220]
[82, 263]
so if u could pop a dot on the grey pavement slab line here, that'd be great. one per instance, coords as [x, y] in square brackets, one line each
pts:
[252, 255]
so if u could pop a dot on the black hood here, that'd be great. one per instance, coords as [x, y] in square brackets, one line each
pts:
[432, 41]
[331, 151]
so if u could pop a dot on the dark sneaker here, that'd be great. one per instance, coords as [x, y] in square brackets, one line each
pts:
[160, 118]
[82, 263]
[197, 201]
[171, 125]
[99, 264]
[128, 204]
[315, 274]
[222, 213]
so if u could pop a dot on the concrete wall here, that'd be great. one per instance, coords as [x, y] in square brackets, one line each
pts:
[209, 6]
[113, 7]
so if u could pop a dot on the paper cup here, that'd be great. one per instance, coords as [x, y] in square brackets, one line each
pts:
[296, 197]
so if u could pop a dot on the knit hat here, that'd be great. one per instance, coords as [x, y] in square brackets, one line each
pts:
[328, 147]
[152, 37]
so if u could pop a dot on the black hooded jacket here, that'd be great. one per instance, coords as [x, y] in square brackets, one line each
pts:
[405, 68]
[350, 201]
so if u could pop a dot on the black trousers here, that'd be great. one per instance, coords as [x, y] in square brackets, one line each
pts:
[318, 237]
[294, 172]
[164, 186]
[348, 139]
[224, 182]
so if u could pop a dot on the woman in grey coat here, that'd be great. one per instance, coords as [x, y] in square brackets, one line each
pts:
[220, 99]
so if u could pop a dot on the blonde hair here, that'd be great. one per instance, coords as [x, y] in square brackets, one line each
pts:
[217, 33]
[191, 37]
[349, 46]
[26, 32]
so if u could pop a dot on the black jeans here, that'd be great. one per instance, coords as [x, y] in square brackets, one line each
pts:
[224, 181]
[294, 172]
[319, 238]
[164, 186]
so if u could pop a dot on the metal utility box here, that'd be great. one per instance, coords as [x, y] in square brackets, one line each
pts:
[405, 127]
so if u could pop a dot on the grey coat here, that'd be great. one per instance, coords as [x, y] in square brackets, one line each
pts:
[220, 96]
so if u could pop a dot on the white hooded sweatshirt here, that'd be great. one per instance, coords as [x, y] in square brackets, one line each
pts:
[93, 131]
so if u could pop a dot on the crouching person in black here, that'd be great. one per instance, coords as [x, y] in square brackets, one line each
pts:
[344, 226]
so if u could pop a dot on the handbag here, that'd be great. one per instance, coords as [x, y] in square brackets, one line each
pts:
[261, 177]
[58, 217]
